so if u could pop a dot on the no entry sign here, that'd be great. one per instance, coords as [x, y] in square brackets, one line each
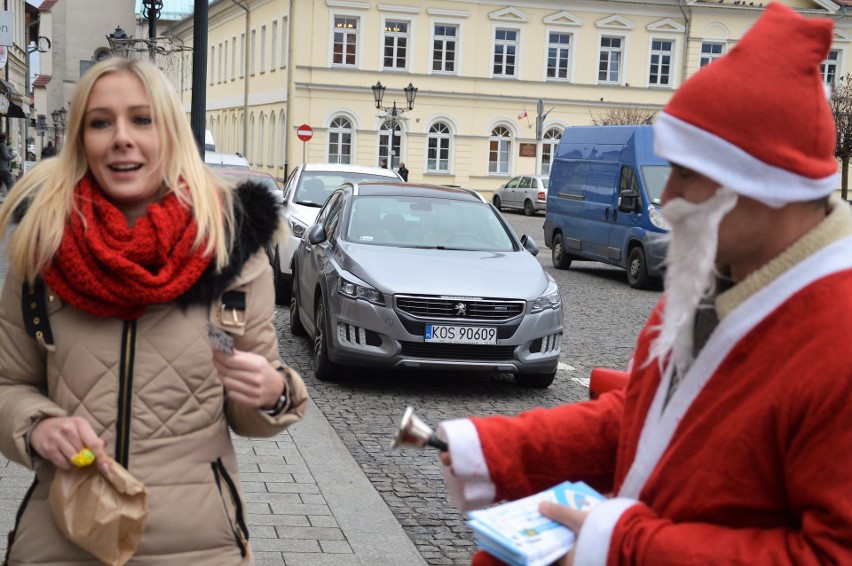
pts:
[305, 132]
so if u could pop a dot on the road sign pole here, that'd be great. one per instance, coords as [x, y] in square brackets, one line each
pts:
[304, 133]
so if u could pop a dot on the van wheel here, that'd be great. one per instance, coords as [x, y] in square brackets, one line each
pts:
[324, 368]
[529, 209]
[557, 254]
[497, 203]
[282, 290]
[637, 269]
[536, 380]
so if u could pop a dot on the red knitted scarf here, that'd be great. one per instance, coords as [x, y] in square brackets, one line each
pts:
[108, 269]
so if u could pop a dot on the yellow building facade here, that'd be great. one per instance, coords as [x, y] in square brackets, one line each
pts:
[484, 72]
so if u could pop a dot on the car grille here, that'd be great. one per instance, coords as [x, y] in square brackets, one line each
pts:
[437, 308]
[457, 351]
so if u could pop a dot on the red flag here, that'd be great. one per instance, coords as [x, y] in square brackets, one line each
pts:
[522, 115]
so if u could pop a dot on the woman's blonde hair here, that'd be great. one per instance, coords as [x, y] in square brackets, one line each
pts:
[47, 190]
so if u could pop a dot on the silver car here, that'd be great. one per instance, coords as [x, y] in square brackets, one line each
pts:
[525, 192]
[400, 275]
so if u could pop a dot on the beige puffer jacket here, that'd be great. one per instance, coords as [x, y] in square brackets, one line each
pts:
[149, 388]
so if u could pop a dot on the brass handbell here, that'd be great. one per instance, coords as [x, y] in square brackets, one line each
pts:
[414, 432]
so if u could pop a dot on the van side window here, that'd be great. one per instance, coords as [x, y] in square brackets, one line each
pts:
[628, 190]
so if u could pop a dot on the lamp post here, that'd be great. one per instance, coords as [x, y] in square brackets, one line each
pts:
[59, 124]
[393, 111]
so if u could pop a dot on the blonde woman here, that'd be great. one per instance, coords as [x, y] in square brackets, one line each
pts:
[121, 251]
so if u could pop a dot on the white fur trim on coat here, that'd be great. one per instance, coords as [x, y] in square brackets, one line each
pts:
[468, 481]
[714, 157]
[596, 534]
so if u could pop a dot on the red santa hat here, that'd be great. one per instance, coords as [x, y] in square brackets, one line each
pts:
[757, 120]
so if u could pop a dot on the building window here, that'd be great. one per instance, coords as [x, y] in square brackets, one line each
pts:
[500, 150]
[261, 135]
[212, 77]
[438, 148]
[262, 49]
[284, 39]
[505, 52]
[609, 64]
[396, 45]
[273, 49]
[345, 34]
[340, 141]
[270, 153]
[660, 72]
[548, 149]
[828, 68]
[225, 65]
[233, 58]
[250, 149]
[220, 76]
[558, 55]
[242, 54]
[385, 143]
[710, 52]
[253, 52]
[444, 45]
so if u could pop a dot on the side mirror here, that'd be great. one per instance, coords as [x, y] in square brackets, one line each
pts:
[316, 234]
[628, 201]
[529, 244]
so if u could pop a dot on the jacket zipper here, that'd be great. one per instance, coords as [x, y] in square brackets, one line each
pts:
[125, 394]
[238, 526]
[18, 518]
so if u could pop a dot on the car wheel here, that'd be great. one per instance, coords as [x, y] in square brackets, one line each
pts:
[497, 204]
[296, 327]
[637, 269]
[282, 289]
[557, 254]
[529, 209]
[324, 368]
[536, 380]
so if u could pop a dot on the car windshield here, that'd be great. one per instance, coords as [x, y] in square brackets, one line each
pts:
[424, 222]
[316, 186]
[655, 177]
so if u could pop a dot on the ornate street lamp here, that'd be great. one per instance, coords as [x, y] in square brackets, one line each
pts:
[393, 111]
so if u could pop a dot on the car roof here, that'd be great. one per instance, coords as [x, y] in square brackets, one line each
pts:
[346, 167]
[379, 188]
[241, 172]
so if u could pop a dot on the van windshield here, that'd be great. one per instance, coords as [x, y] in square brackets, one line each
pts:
[655, 177]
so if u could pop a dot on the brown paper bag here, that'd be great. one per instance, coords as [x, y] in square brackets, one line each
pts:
[102, 513]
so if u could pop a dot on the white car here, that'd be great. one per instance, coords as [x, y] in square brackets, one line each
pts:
[305, 191]
[525, 192]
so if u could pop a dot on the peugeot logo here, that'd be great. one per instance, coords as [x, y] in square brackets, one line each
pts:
[461, 309]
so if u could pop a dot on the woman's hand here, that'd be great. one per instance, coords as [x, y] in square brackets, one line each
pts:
[58, 439]
[249, 379]
[571, 518]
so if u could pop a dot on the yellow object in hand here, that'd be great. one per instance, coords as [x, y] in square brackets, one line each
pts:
[83, 458]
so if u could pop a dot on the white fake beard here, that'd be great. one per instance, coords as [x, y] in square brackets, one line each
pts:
[690, 273]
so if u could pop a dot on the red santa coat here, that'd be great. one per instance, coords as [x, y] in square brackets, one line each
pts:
[749, 463]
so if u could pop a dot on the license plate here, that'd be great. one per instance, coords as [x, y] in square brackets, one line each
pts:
[461, 334]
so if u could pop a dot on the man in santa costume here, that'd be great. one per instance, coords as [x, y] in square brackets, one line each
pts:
[732, 443]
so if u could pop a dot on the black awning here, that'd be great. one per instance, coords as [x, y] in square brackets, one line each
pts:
[16, 101]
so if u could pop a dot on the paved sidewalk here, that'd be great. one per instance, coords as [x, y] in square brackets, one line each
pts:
[308, 501]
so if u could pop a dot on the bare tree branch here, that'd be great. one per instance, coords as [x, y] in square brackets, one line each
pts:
[623, 116]
[841, 108]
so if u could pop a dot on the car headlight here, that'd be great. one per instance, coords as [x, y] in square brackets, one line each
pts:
[297, 228]
[657, 218]
[551, 299]
[356, 291]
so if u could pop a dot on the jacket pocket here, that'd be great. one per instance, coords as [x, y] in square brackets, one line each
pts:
[232, 504]
[18, 517]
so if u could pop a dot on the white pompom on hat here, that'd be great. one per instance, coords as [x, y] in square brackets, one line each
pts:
[757, 120]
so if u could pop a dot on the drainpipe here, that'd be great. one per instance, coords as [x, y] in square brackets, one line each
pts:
[685, 41]
[245, 76]
[288, 106]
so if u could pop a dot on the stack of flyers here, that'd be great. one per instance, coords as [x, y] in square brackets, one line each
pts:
[516, 533]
